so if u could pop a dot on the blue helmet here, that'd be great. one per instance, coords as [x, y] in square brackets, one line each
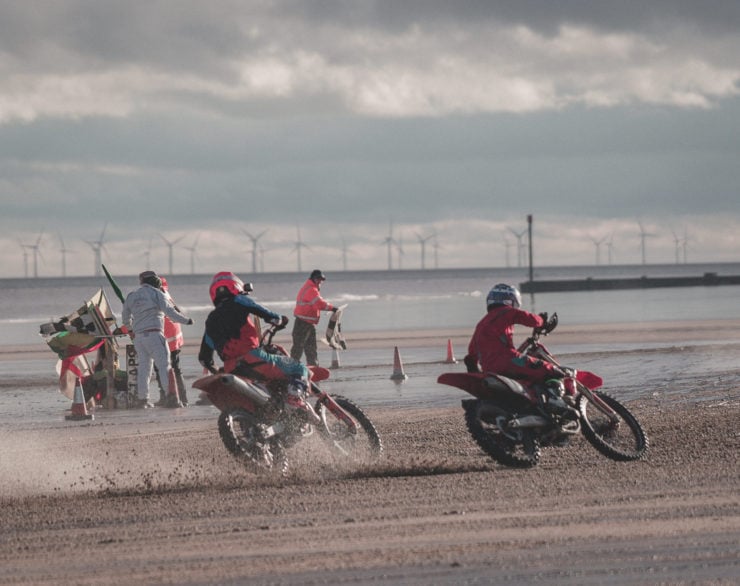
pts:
[503, 294]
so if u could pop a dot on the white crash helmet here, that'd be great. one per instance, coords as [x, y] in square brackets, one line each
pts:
[503, 294]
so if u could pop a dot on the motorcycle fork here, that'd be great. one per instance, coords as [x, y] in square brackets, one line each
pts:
[335, 409]
[598, 403]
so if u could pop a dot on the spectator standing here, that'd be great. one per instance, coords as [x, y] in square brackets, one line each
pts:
[143, 315]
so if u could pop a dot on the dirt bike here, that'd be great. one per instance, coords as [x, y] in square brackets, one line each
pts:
[509, 426]
[255, 426]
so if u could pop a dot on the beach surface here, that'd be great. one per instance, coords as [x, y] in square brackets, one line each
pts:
[153, 497]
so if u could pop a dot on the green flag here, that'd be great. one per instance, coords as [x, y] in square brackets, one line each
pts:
[113, 284]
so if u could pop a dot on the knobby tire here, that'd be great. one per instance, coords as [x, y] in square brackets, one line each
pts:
[629, 445]
[336, 432]
[238, 429]
[521, 454]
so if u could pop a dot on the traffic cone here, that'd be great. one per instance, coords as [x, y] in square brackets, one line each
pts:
[450, 354]
[79, 409]
[398, 373]
[335, 359]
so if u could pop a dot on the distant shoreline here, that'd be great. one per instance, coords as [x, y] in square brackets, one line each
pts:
[540, 271]
[671, 331]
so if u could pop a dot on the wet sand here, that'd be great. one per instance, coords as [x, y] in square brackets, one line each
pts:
[155, 498]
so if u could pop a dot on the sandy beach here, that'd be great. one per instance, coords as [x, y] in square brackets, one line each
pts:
[153, 497]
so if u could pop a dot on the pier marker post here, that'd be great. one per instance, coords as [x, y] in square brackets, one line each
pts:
[335, 359]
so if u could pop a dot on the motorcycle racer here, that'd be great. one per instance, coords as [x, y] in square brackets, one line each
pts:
[231, 332]
[491, 348]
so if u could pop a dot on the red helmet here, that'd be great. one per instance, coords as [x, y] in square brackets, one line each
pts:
[225, 284]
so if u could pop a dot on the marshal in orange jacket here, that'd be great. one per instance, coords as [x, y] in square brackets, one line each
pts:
[309, 304]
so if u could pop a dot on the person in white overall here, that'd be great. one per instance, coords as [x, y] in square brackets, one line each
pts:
[146, 308]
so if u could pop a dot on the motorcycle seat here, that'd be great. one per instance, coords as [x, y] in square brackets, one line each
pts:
[497, 382]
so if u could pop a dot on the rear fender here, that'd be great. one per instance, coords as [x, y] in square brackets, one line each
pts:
[492, 387]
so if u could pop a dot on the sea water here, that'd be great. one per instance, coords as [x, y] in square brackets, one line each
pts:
[393, 300]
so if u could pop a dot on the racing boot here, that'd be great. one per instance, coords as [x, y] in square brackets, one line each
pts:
[295, 402]
[552, 398]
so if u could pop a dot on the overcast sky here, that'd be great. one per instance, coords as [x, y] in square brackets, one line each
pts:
[333, 123]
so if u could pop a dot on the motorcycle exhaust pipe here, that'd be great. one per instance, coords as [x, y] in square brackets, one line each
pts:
[252, 392]
[528, 421]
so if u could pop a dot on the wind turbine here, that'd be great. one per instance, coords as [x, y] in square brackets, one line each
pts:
[610, 248]
[643, 236]
[390, 242]
[677, 246]
[24, 248]
[36, 248]
[436, 247]
[255, 240]
[685, 245]
[597, 244]
[170, 245]
[192, 253]
[519, 245]
[299, 244]
[97, 248]
[64, 250]
[399, 248]
[423, 243]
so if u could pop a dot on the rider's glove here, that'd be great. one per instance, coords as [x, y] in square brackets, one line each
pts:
[544, 317]
[283, 322]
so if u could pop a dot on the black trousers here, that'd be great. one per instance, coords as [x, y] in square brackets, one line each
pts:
[304, 340]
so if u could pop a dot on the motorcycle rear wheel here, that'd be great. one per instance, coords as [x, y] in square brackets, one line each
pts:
[481, 419]
[240, 433]
[363, 446]
[623, 440]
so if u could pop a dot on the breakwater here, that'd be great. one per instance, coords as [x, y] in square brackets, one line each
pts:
[591, 284]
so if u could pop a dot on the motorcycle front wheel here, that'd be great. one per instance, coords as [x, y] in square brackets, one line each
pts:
[620, 438]
[361, 444]
[519, 449]
[241, 433]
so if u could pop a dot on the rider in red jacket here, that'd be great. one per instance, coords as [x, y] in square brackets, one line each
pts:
[492, 344]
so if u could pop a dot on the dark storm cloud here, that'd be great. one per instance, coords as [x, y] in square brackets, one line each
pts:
[186, 115]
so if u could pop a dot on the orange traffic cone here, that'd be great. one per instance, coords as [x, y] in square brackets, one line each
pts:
[450, 354]
[173, 397]
[398, 373]
[79, 409]
[335, 359]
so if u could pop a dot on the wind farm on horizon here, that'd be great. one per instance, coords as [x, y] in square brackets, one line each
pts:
[400, 254]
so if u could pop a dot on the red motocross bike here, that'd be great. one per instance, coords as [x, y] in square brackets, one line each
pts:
[509, 427]
[256, 428]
